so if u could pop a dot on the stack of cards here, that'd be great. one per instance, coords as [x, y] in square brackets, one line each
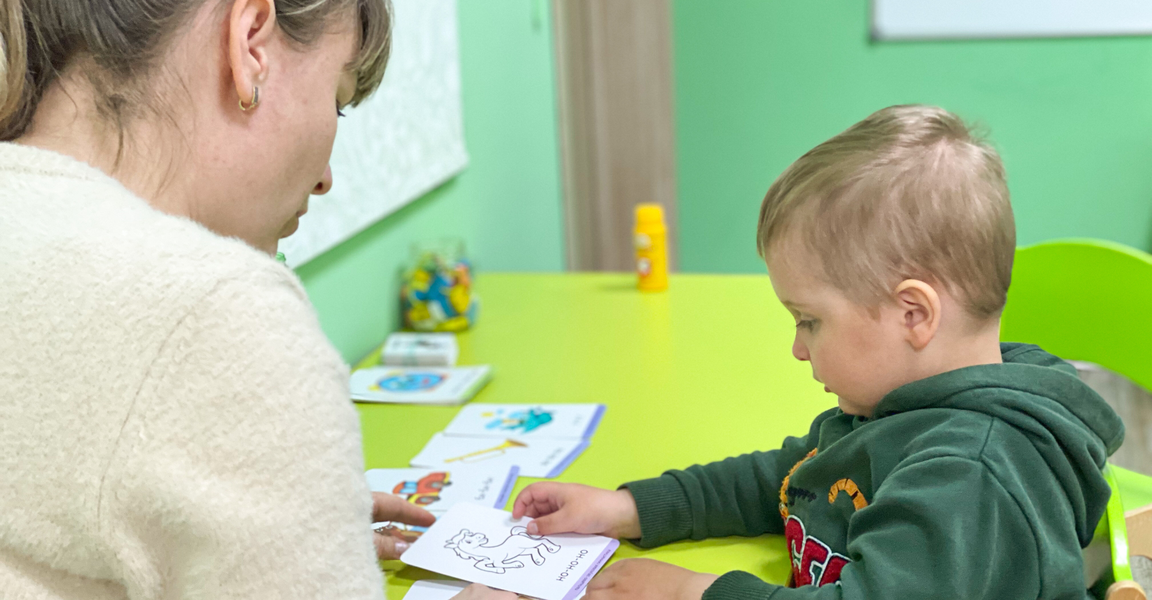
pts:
[466, 472]
[484, 545]
[541, 439]
[420, 350]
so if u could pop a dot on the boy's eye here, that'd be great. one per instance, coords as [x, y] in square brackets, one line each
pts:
[339, 113]
[805, 324]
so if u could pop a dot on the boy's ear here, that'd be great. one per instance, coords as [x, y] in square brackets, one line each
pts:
[919, 305]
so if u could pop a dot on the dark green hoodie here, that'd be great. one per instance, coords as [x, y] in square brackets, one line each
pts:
[983, 482]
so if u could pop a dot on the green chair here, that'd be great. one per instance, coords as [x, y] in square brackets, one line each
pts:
[1091, 300]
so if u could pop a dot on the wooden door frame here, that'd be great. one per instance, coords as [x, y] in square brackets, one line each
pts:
[615, 93]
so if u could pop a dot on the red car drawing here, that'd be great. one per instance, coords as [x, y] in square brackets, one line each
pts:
[423, 492]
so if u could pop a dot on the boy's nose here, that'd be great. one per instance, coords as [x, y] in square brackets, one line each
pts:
[799, 350]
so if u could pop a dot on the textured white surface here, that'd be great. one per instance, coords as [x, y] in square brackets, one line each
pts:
[401, 142]
[167, 397]
[929, 19]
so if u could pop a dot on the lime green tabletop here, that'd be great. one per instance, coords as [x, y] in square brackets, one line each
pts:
[698, 373]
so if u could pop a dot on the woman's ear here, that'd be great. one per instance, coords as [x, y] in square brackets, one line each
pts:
[919, 305]
[251, 25]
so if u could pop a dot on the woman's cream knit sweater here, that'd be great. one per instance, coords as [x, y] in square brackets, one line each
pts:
[173, 423]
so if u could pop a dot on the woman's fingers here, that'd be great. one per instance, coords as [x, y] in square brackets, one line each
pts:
[386, 507]
[389, 547]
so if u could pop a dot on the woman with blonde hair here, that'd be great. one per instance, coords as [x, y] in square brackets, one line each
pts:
[173, 422]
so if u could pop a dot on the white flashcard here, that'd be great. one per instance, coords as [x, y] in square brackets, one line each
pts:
[436, 490]
[544, 458]
[418, 385]
[435, 589]
[525, 421]
[420, 350]
[487, 546]
[440, 589]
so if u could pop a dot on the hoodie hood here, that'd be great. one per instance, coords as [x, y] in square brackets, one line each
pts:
[1069, 424]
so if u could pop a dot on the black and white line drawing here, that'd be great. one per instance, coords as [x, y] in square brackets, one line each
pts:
[500, 557]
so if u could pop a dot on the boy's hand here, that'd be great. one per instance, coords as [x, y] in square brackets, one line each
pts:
[647, 579]
[575, 508]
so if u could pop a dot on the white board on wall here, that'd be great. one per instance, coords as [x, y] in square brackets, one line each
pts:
[398, 144]
[971, 19]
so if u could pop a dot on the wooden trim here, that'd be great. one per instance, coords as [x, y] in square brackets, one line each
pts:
[1125, 590]
[1139, 525]
[614, 76]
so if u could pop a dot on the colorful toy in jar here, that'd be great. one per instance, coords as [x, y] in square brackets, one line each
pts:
[436, 294]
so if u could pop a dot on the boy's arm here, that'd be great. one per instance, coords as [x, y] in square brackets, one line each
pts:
[735, 496]
[942, 528]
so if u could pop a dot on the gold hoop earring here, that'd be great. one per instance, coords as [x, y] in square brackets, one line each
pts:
[255, 100]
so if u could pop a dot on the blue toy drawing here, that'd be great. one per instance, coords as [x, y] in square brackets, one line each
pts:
[523, 421]
[408, 382]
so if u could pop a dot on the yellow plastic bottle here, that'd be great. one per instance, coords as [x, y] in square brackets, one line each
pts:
[651, 248]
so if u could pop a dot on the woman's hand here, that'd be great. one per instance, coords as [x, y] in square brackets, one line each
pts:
[575, 508]
[386, 507]
[647, 579]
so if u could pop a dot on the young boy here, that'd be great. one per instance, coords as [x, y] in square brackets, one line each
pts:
[954, 466]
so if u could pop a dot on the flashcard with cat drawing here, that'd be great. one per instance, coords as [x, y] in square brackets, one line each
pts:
[485, 545]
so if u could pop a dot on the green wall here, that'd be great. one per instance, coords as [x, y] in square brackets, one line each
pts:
[759, 82]
[506, 205]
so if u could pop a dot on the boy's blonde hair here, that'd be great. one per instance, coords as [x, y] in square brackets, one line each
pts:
[908, 193]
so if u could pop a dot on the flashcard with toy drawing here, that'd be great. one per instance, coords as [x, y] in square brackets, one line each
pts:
[436, 490]
[418, 385]
[485, 545]
[527, 421]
